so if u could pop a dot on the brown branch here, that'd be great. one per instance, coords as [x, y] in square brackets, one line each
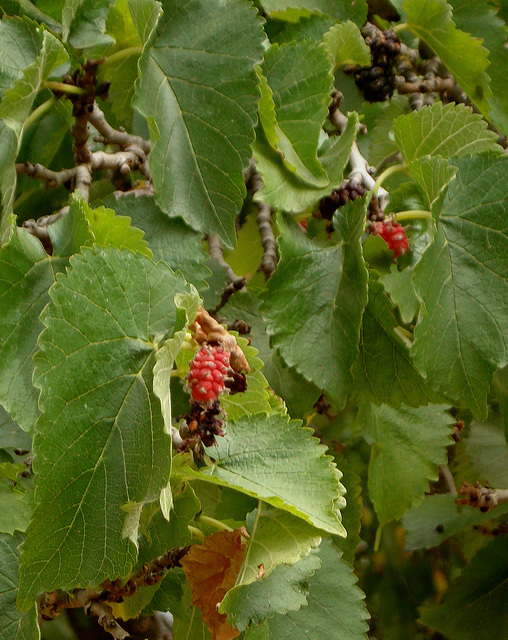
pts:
[425, 85]
[39, 172]
[483, 498]
[106, 619]
[235, 282]
[269, 261]
[116, 137]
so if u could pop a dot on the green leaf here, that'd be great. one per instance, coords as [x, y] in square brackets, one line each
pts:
[315, 300]
[189, 625]
[15, 108]
[443, 130]
[84, 23]
[383, 348]
[254, 400]
[463, 55]
[346, 45]
[298, 74]
[14, 625]
[101, 425]
[145, 15]
[202, 120]
[487, 448]
[20, 43]
[298, 393]
[248, 252]
[408, 446]
[342, 9]
[437, 518]
[400, 287]
[474, 605]
[285, 589]
[11, 435]
[461, 334]
[169, 239]
[433, 175]
[111, 230]
[14, 509]
[276, 460]
[335, 606]
[352, 512]
[307, 25]
[27, 274]
[478, 18]
[276, 537]
[283, 189]
[380, 136]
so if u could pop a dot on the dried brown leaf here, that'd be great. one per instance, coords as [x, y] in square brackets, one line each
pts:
[211, 569]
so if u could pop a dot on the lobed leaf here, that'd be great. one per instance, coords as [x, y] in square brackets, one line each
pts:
[346, 45]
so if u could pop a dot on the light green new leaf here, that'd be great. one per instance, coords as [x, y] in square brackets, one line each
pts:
[197, 90]
[487, 448]
[443, 130]
[346, 45]
[408, 447]
[437, 518]
[285, 589]
[335, 606]
[15, 108]
[111, 230]
[384, 348]
[283, 189]
[272, 458]
[462, 280]
[463, 55]
[276, 537]
[14, 625]
[474, 606]
[478, 18]
[101, 451]
[84, 23]
[145, 14]
[315, 300]
[298, 74]
[342, 9]
[169, 239]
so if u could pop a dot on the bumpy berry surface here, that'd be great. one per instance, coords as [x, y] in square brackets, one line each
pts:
[207, 372]
[393, 234]
[377, 81]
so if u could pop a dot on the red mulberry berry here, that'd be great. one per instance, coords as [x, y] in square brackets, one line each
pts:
[207, 372]
[393, 234]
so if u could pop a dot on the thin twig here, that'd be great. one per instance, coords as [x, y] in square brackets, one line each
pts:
[116, 137]
[269, 261]
[423, 86]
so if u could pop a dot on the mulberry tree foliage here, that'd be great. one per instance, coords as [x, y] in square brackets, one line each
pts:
[253, 319]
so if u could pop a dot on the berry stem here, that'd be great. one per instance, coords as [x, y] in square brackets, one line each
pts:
[120, 55]
[396, 168]
[400, 27]
[61, 87]
[413, 214]
[212, 522]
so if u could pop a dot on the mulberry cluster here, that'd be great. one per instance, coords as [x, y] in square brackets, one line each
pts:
[208, 370]
[201, 425]
[393, 234]
[377, 81]
[348, 191]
